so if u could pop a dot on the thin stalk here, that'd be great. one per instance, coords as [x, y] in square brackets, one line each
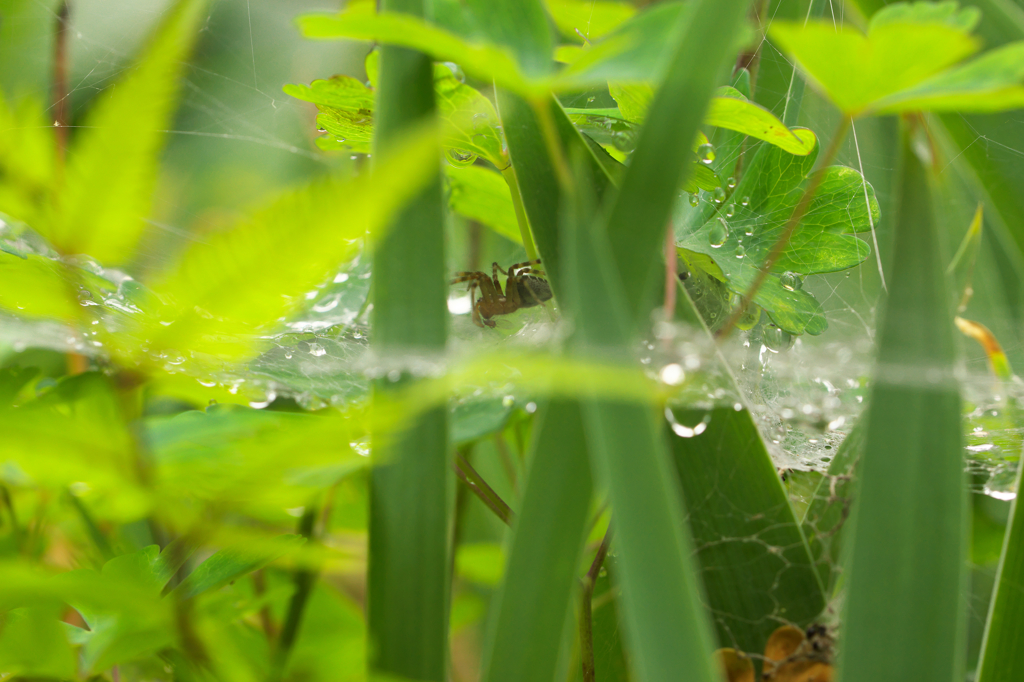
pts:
[60, 82]
[787, 232]
[95, 534]
[671, 273]
[476, 483]
[9, 503]
[509, 173]
[304, 580]
[542, 108]
[259, 585]
[586, 609]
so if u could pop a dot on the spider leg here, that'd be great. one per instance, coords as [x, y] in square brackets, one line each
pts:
[521, 266]
[497, 283]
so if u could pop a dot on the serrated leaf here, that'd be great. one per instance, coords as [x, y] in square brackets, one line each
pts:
[904, 62]
[112, 165]
[469, 121]
[481, 194]
[740, 232]
[239, 281]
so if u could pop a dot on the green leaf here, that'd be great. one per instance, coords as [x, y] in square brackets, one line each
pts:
[747, 585]
[987, 84]
[33, 644]
[227, 565]
[346, 111]
[591, 19]
[112, 166]
[237, 455]
[519, 25]
[904, 62]
[1001, 658]
[35, 286]
[482, 195]
[550, 529]
[906, 569]
[222, 291]
[469, 122]
[730, 110]
[761, 205]
[477, 418]
[26, 160]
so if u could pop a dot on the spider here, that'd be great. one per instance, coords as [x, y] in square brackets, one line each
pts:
[523, 289]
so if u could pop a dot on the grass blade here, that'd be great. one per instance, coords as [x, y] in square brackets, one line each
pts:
[550, 530]
[408, 563]
[1002, 658]
[906, 569]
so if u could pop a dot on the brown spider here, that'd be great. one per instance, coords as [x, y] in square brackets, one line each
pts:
[523, 289]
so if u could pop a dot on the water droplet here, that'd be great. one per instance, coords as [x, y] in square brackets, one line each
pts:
[731, 182]
[718, 195]
[459, 158]
[740, 251]
[694, 200]
[776, 339]
[329, 303]
[456, 71]
[730, 210]
[321, 129]
[791, 281]
[672, 374]
[317, 350]
[590, 100]
[288, 355]
[718, 233]
[706, 153]
[746, 200]
[684, 431]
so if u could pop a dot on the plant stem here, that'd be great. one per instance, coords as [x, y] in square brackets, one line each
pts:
[586, 609]
[787, 232]
[509, 173]
[304, 580]
[671, 273]
[60, 82]
[468, 475]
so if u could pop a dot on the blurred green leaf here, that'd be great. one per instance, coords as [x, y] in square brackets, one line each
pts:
[233, 454]
[740, 232]
[33, 644]
[906, 568]
[521, 26]
[35, 286]
[481, 563]
[112, 166]
[579, 20]
[26, 160]
[227, 565]
[236, 283]
[475, 418]
[904, 62]
[482, 195]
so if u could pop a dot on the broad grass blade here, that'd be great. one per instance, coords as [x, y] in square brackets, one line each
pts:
[906, 569]
[408, 562]
[541, 575]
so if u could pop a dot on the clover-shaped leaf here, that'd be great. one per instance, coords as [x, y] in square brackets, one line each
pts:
[906, 62]
[739, 232]
[470, 123]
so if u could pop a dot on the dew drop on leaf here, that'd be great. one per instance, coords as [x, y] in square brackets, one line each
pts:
[694, 200]
[459, 158]
[456, 71]
[746, 200]
[706, 153]
[740, 251]
[718, 233]
[718, 195]
[791, 281]
[730, 210]
[731, 182]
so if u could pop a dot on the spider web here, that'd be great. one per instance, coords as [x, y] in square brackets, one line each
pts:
[237, 138]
